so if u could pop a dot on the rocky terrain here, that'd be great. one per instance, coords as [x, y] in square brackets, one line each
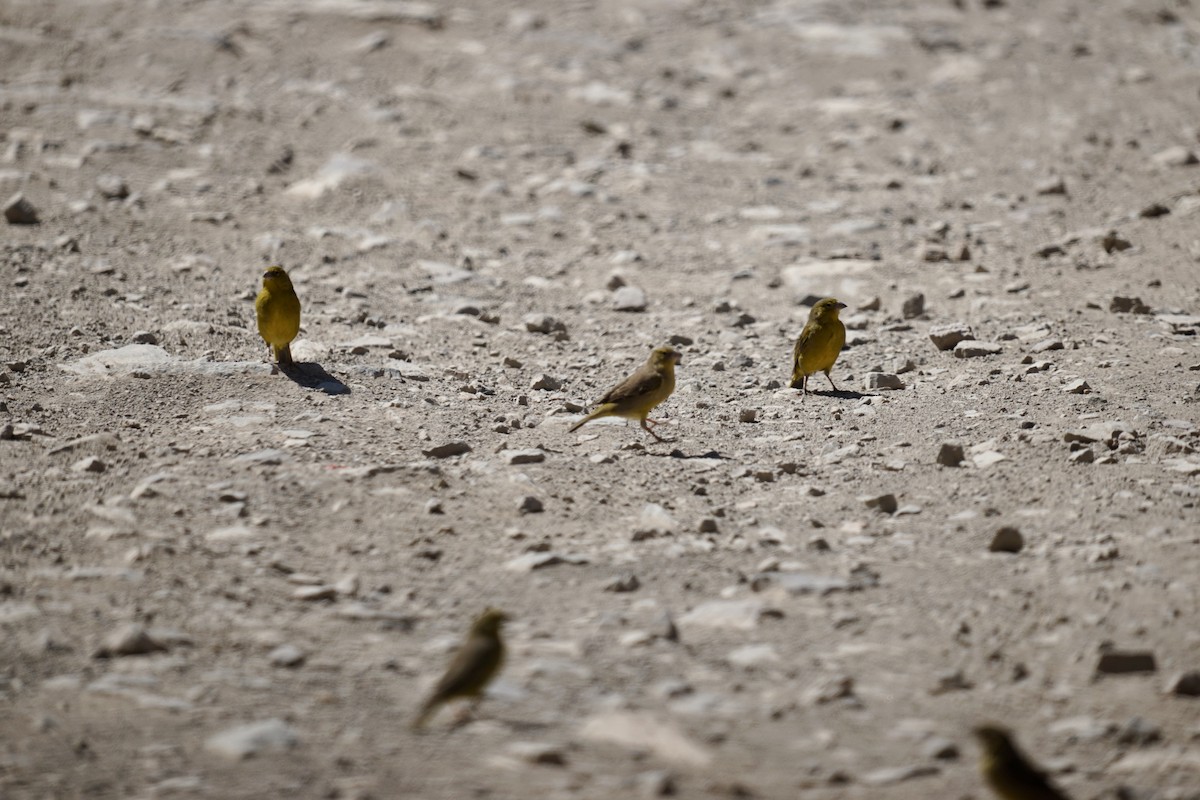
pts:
[220, 581]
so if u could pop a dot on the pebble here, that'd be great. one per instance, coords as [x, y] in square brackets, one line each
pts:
[144, 337]
[543, 323]
[546, 383]
[1177, 156]
[1052, 186]
[1123, 662]
[287, 655]
[1007, 540]
[753, 655]
[89, 464]
[538, 753]
[890, 775]
[974, 349]
[882, 380]
[19, 211]
[112, 187]
[945, 337]
[244, 741]
[1082, 456]
[950, 454]
[1077, 386]
[885, 503]
[447, 450]
[1139, 732]
[1046, 345]
[1185, 684]
[940, 749]
[748, 415]
[623, 583]
[741, 615]
[629, 298]
[913, 306]
[529, 505]
[654, 521]
[314, 593]
[640, 731]
[1128, 305]
[530, 456]
[129, 640]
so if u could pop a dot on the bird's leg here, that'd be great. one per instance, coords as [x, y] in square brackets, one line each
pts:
[831, 383]
[803, 387]
[646, 428]
[653, 421]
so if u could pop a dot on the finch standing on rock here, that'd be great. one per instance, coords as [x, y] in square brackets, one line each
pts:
[278, 310]
[819, 344]
[1008, 772]
[477, 661]
[637, 395]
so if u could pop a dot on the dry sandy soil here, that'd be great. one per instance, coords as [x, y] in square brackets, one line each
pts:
[739, 612]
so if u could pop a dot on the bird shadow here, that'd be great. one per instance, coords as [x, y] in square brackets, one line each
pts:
[677, 453]
[840, 394]
[312, 375]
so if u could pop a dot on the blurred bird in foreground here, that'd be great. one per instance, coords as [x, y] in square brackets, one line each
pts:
[1008, 772]
[636, 396]
[819, 344]
[474, 665]
[278, 312]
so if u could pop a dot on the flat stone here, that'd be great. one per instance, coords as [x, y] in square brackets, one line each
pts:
[89, 464]
[1185, 684]
[314, 593]
[974, 349]
[629, 299]
[129, 640]
[641, 731]
[802, 583]
[546, 383]
[1124, 662]
[19, 211]
[885, 503]
[543, 323]
[892, 775]
[1177, 156]
[244, 741]
[741, 615]
[538, 753]
[1078, 386]
[1128, 305]
[447, 450]
[287, 655]
[530, 562]
[753, 655]
[530, 504]
[530, 456]
[945, 337]
[882, 380]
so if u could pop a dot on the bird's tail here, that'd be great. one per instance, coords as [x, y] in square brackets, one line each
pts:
[284, 355]
[599, 412]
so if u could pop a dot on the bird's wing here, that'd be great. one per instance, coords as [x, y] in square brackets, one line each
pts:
[640, 383]
[471, 667]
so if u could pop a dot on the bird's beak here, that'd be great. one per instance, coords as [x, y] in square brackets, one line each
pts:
[677, 358]
[841, 306]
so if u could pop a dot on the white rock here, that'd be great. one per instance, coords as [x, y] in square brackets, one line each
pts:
[244, 741]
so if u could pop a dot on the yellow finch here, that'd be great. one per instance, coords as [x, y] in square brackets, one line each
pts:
[278, 311]
[819, 344]
[1008, 772]
[473, 666]
[636, 396]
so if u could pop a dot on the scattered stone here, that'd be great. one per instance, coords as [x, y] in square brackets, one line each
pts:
[945, 337]
[1128, 305]
[940, 748]
[543, 323]
[313, 594]
[144, 337]
[1139, 732]
[545, 383]
[828, 689]
[748, 415]
[112, 187]
[1154, 211]
[1185, 684]
[974, 349]
[1123, 662]
[434, 506]
[89, 464]
[538, 753]
[950, 454]
[951, 681]
[885, 503]
[891, 775]
[447, 450]
[530, 456]
[19, 211]
[1177, 156]
[641, 731]
[244, 741]
[882, 380]
[287, 655]
[1077, 386]
[1046, 345]
[753, 655]
[913, 306]
[129, 640]
[530, 505]
[1007, 540]
[708, 525]
[654, 521]
[629, 298]
[1114, 243]
[1052, 186]
[1083, 456]
[623, 583]
[741, 615]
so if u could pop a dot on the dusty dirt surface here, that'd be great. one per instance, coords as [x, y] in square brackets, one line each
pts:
[220, 581]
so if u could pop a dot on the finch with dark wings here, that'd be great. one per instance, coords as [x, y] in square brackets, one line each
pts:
[1008, 772]
[636, 396]
[473, 667]
[819, 344]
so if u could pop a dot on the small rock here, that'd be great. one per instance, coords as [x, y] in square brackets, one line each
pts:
[629, 298]
[708, 525]
[144, 337]
[1139, 732]
[19, 211]
[1083, 456]
[543, 323]
[112, 187]
[129, 640]
[940, 748]
[945, 337]
[1052, 186]
[530, 456]
[312, 594]
[1122, 662]
[1154, 211]
[530, 505]
[623, 583]
[546, 383]
[287, 655]
[885, 503]
[973, 349]
[882, 380]
[735, 614]
[434, 506]
[753, 655]
[1127, 305]
[1007, 540]
[538, 753]
[950, 454]
[913, 306]
[244, 741]
[1178, 156]
[1077, 386]
[1046, 345]
[828, 689]
[89, 464]
[1185, 684]
[654, 521]
[447, 450]
[748, 415]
